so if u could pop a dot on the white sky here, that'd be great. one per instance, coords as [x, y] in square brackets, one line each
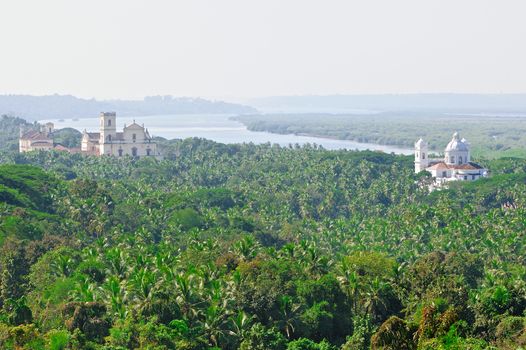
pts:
[245, 48]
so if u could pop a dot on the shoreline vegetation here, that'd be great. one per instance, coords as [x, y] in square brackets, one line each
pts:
[490, 136]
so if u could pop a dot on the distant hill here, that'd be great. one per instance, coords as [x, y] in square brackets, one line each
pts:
[455, 103]
[65, 106]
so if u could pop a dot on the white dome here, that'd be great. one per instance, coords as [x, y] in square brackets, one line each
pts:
[456, 144]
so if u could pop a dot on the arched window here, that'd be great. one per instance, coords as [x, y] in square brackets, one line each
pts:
[120, 153]
[134, 151]
[109, 138]
[109, 122]
[148, 151]
[452, 159]
[134, 137]
[423, 156]
[460, 160]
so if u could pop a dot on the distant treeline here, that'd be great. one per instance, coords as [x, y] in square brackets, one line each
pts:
[66, 106]
[490, 136]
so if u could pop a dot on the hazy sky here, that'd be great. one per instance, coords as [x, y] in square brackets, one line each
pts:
[243, 48]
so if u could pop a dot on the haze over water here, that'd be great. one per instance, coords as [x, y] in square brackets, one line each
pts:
[219, 128]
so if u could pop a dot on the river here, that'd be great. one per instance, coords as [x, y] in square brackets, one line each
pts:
[219, 128]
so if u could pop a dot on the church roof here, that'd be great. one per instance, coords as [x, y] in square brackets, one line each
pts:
[60, 147]
[456, 144]
[466, 166]
[134, 125]
[34, 135]
[93, 135]
[439, 165]
[41, 143]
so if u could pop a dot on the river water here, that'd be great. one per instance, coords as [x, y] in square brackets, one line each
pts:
[219, 128]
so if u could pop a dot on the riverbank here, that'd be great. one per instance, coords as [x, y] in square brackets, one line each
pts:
[491, 136]
[224, 129]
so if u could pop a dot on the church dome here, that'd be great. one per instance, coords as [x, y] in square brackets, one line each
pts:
[456, 144]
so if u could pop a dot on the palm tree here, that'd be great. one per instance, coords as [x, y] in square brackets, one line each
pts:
[240, 323]
[289, 313]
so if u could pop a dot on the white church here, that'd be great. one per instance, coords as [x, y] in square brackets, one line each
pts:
[134, 140]
[455, 166]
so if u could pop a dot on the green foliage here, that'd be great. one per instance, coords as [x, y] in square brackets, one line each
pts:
[26, 186]
[393, 334]
[9, 132]
[262, 338]
[187, 219]
[58, 339]
[257, 247]
[307, 344]
[68, 137]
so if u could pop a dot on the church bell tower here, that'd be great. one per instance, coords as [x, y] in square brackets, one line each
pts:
[108, 131]
[421, 156]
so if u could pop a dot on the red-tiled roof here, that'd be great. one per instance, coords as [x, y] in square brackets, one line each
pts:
[468, 166]
[34, 135]
[93, 135]
[60, 147]
[440, 165]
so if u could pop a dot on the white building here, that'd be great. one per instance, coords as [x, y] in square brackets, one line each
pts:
[134, 140]
[455, 166]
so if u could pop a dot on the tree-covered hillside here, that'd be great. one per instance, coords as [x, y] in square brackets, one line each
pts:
[258, 247]
[67, 106]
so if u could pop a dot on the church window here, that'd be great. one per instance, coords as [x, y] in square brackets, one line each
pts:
[460, 160]
[444, 174]
[120, 153]
[148, 151]
[452, 159]
[423, 156]
[109, 122]
[134, 151]
[134, 136]
[109, 138]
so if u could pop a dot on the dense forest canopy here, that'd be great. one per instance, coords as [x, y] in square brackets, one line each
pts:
[258, 247]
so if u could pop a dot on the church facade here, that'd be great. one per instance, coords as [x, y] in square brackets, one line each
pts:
[134, 140]
[455, 166]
